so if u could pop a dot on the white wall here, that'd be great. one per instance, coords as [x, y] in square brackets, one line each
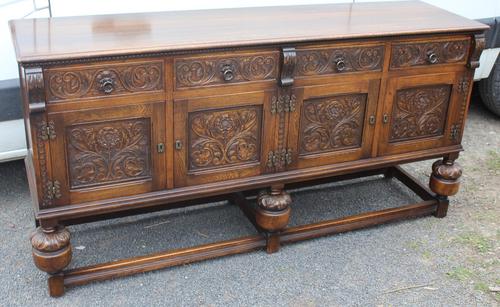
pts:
[12, 9]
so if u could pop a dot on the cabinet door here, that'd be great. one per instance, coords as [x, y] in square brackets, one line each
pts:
[221, 137]
[108, 152]
[332, 123]
[418, 112]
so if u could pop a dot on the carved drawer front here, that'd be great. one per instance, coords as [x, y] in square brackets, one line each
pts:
[110, 152]
[333, 123]
[423, 53]
[103, 80]
[223, 69]
[220, 138]
[423, 112]
[334, 60]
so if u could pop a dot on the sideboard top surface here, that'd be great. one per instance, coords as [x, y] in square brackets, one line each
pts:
[64, 38]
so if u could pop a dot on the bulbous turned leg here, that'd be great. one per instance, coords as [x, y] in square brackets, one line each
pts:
[272, 215]
[444, 181]
[52, 253]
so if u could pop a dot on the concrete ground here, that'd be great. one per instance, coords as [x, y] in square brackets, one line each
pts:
[424, 262]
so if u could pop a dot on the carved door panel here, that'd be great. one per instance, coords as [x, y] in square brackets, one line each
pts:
[420, 112]
[108, 152]
[332, 123]
[221, 138]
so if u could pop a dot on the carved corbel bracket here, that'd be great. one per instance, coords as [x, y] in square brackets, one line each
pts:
[35, 88]
[288, 62]
[478, 44]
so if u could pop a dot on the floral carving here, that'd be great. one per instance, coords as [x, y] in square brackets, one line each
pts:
[50, 240]
[332, 123]
[80, 83]
[411, 54]
[224, 137]
[419, 112]
[199, 72]
[109, 152]
[324, 61]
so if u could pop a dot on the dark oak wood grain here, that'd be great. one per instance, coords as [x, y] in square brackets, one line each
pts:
[129, 114]
[90, 36]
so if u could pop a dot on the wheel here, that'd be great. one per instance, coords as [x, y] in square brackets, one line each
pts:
[489, 89]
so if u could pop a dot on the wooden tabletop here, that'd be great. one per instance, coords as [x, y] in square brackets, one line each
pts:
[62, 38]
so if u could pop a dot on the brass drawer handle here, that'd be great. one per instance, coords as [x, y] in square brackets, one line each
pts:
[340, 64]
[227, 72]
[432, 57]
[385, 119]
[107, 85]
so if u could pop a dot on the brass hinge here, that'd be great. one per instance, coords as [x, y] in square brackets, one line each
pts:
[279, 158]
[53, 189]
[454, 132]
[283, 103]
[48, 130]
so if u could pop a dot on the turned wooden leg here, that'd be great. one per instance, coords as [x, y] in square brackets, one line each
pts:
[444, 181]
[51, 254]
[272, 215]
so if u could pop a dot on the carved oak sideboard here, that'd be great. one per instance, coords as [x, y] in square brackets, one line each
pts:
[133, 113]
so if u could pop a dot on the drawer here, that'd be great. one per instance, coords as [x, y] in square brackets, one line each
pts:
[103, 80]
[427, 53]
[223, 69]
[339, 59]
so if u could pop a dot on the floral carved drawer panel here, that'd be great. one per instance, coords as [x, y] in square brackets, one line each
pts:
[224, 137]
[108, 152]
[332, 123]
[419, 112]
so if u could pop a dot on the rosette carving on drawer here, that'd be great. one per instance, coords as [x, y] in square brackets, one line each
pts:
[75, 83]
[428, 53]
[194, 72]
[339, 60]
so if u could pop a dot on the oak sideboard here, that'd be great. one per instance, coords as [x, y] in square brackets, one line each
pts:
[133, 113]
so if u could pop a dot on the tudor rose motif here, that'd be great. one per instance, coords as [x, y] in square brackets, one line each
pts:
[224, 137]
[332, 123]
[419, 112]
[109, 152]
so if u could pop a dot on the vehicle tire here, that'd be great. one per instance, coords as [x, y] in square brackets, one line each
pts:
[489, 89]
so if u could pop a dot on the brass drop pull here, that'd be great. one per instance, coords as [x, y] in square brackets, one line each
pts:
[107, 85]
[432, 57]
[371, 120]
[385, 119]
[227, 72]
[340, 64]
[178, 144]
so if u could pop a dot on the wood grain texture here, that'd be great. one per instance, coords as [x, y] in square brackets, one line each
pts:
[112, 35]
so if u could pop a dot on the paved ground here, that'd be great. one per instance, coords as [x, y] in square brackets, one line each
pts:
[425, 262]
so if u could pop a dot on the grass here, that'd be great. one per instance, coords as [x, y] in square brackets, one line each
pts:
[479, 242]
[460, 273]
[493, 161]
